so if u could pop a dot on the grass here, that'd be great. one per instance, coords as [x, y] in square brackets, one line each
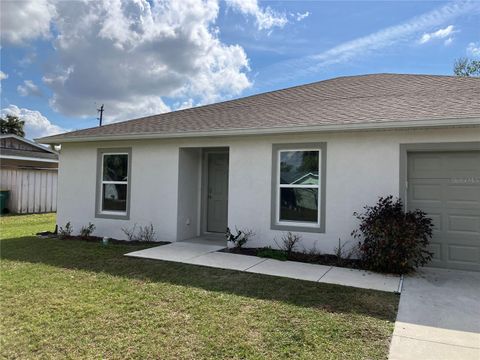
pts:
[75, 299]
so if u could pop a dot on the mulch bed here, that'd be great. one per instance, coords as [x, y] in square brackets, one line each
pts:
[320, 259]
[99, 239]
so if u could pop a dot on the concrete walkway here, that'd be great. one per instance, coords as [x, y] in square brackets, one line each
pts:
[438, 317]
[205, 253]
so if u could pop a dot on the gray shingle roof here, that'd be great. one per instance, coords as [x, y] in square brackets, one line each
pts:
[376, 98]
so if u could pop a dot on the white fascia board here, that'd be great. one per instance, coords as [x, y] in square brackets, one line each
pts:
[378, 125]
[24, 158]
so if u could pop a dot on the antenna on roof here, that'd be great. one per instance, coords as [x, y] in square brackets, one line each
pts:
[101, 115]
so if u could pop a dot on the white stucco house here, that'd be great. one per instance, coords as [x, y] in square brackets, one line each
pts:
[302, 159]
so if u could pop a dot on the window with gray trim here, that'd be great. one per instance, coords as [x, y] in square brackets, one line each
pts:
[298, 187]
[114, 183]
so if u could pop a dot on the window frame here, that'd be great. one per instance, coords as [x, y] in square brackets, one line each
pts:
[112, 214]
[292, 225]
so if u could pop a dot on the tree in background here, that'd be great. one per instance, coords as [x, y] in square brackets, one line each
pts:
[466, 67]
[12, 125]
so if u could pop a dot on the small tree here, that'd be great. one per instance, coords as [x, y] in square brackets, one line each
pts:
[12, 125]
[393, 240]
[466, 67]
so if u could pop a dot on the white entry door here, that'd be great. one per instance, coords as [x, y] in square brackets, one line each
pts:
[217, 192]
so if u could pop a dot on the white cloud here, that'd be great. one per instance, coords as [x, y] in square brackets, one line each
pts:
[473, 49]
[36, 125]
[25, 20]
[3, 76]
[300, 16]
[131, 55]
[395, 34]
[448, 41]
[369, 44]
[187, 104]
[28, 89]
[439, 34]
[265, 18]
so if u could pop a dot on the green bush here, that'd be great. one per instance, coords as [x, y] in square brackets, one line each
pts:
[87, 231]
[64, 232]
[394, 241]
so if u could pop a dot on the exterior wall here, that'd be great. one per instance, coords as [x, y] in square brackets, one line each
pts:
[31, 190]
[361, 166]
[153, 181]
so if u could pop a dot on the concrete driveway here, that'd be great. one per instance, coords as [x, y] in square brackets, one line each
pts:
[438, 317]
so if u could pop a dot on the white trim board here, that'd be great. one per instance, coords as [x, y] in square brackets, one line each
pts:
[377, 125]
[11, 157]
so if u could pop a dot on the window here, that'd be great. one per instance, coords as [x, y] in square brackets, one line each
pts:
[298, 195]
[113, 186]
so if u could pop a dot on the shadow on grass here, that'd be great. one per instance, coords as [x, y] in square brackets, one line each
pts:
[80, 255]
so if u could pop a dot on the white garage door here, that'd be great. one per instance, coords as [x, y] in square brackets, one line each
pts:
[446, 185]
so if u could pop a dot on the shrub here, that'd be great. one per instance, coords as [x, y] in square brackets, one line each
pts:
[144, 234]
[268, 252]
[130, 233]
[63, 232]
[393, 240]
[241, 238]
[87, 231]
[289, 242]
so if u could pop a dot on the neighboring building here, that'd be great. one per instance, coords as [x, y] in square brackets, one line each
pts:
[302, 159]
[29, 172]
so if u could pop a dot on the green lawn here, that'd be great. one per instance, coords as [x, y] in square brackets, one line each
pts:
[73, 299]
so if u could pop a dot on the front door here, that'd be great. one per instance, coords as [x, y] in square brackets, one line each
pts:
[217, 192]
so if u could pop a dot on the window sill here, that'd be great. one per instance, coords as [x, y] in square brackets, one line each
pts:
[298, 228]
[112, 215]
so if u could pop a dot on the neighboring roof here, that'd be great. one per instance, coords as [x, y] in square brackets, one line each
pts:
[345, 103]
[27, 150]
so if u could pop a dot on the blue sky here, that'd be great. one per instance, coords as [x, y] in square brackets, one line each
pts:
[141, 58]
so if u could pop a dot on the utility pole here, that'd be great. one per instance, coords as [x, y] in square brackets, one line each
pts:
[101, 114]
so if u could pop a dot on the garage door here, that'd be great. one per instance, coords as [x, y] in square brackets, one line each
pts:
[446, 185]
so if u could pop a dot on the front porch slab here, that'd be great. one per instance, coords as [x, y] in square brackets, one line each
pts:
[177, 251]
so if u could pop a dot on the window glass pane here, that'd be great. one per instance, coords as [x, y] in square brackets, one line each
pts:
[299, 167]
[114, 197]
[299, 204]
[115, 167]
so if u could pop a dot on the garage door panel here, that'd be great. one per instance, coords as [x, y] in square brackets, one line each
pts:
[464, 224]
[426, 166]
[426, 192]
[463, 254]
[463, 164]
[436, 249]
[447, 187]
[437, 221]
[456, 195]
